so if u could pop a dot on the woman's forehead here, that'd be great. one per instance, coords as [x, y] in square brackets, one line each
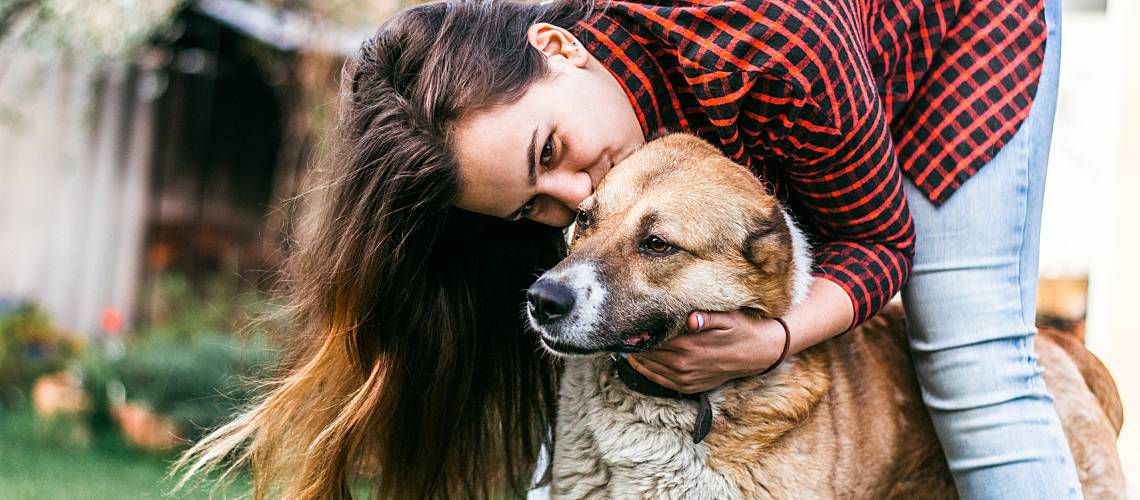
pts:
[491, 148]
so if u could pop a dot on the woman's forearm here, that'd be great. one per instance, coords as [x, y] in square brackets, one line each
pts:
[826, 312]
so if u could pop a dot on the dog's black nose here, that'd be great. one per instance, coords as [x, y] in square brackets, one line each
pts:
[549, 301]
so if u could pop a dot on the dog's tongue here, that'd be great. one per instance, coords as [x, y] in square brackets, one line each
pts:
[633, 340]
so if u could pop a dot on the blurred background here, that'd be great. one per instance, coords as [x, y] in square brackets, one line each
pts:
[146, 147]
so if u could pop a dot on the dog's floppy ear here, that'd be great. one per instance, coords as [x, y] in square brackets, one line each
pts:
[769, 243]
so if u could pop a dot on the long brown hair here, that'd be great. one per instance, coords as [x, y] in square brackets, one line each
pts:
[408, 365]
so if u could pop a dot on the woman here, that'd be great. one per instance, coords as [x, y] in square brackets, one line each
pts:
[463, 123]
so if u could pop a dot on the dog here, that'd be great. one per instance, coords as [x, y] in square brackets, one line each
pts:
[843, 419]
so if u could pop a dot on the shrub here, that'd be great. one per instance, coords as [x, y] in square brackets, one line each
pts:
[197, 381]
[30, 346]
[215, 304]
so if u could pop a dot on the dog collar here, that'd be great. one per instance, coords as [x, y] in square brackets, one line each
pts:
[641, 384]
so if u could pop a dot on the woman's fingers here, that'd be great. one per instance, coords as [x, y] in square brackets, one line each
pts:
[672, 363]
[668, 376]
[700, 321]
[650, 369]
[692, 363]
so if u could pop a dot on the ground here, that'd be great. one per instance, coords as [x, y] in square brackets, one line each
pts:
[32, 466]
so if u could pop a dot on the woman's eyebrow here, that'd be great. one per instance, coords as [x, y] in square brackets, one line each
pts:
[532, 178]
[530, 172]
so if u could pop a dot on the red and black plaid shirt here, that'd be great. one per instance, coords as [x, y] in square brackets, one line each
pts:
[830, 100]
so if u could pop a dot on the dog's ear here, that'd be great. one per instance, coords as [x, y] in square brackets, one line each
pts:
[769, 243]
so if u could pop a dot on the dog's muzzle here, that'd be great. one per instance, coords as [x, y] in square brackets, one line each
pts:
[565, 306]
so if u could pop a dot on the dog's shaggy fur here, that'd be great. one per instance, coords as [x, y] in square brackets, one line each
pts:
[843, 419]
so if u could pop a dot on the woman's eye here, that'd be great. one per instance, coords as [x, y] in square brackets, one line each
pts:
[655, 245]
[547, 151]
[528, 208]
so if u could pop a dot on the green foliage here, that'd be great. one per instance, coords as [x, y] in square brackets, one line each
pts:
[194, 362]
[30, 346]
[97, 28]
[183, 309]
[197, 382]
[106, 30]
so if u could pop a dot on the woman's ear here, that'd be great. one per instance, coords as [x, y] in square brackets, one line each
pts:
[553, 41]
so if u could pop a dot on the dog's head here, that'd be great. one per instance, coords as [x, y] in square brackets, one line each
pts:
[675, 227]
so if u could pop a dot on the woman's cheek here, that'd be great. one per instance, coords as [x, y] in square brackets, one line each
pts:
[555, 214]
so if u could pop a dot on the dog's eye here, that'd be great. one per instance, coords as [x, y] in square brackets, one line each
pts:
[657, 246]
[583, 220]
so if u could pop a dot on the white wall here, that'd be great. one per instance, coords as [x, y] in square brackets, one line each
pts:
[74, 160]
[1092, 198]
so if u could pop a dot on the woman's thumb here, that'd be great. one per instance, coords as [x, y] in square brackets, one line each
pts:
[703, 320]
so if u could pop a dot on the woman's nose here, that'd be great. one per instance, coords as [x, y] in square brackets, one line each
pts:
[572, 188]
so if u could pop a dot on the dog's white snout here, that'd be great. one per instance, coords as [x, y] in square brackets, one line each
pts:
[566, 304]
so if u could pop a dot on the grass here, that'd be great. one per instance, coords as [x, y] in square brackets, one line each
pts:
[35, 463]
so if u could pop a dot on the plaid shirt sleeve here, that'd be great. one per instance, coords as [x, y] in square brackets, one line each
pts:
[816, 130]
[842, 174]
[830, 102]
[845, 184]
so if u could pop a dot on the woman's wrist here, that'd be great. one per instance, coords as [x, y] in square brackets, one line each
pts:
[768, 342]
[826, 312]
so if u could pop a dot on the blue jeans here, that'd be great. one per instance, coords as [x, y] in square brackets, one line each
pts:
[971, 302]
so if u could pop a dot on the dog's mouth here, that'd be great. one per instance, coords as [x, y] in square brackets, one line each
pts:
[639, 340]
[642, 340]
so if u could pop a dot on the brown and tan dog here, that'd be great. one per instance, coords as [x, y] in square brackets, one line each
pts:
[843, 419]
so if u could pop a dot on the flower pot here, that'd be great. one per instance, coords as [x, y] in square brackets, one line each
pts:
[144, 428]
[59, 394]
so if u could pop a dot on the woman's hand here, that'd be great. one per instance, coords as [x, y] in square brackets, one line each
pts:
[721, 346]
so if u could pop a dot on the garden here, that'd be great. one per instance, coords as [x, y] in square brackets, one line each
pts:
[105, 417]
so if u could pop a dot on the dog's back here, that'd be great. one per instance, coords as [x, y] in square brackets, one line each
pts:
[1090, 410]
[1096, 376]
[1085, 396]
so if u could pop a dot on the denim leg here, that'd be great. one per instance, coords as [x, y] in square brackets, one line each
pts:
[971, 305]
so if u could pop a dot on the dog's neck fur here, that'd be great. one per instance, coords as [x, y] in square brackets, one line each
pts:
[802, 257]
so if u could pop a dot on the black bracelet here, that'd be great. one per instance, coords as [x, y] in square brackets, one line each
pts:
[787, 345]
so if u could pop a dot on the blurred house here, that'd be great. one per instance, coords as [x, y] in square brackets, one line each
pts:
[115, 170]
